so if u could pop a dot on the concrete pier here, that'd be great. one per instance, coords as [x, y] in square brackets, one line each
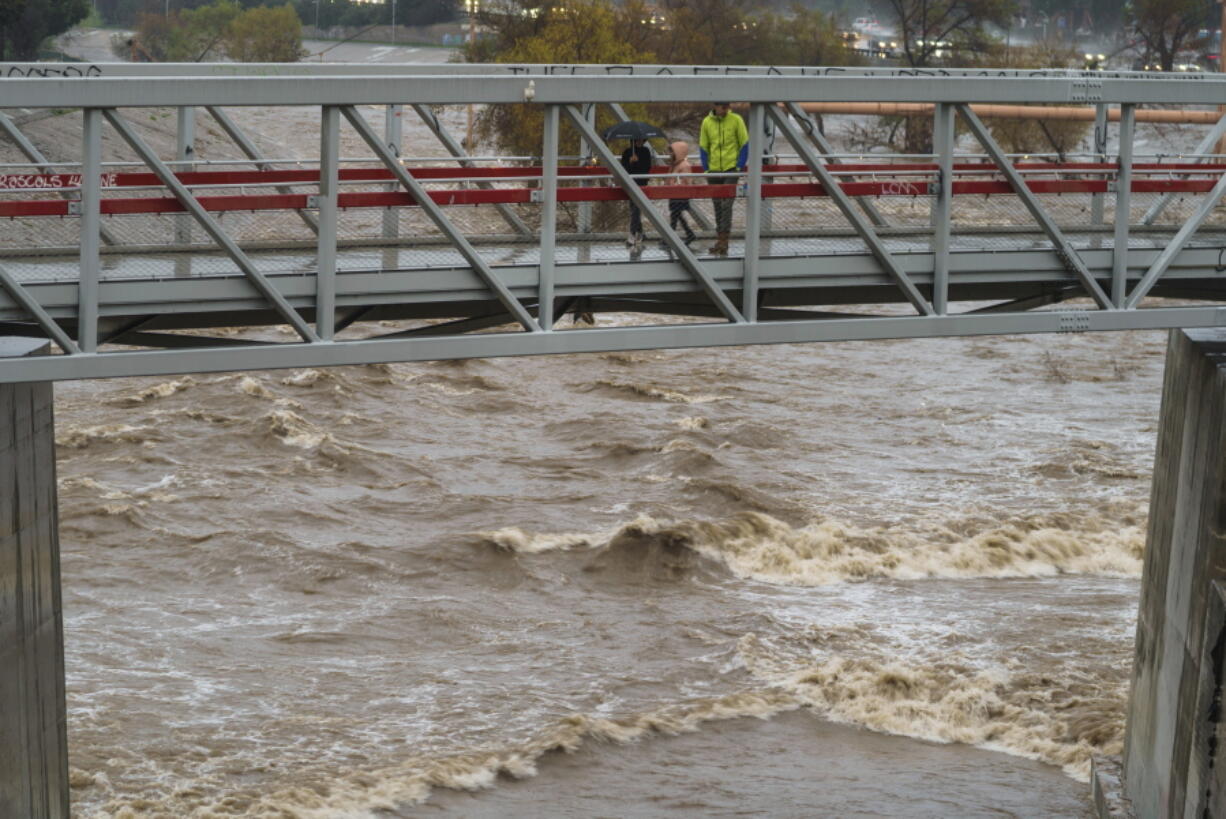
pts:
[1173, 762]
[33, 737]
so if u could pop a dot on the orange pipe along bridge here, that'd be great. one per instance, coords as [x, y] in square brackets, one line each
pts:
[127, 263]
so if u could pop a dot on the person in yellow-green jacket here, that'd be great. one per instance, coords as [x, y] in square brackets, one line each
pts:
[723, 145]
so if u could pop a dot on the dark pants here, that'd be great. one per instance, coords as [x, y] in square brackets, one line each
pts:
[723, 207]
[636, 216]
[677, 209]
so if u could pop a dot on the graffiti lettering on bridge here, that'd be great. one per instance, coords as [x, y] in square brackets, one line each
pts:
[51, 71]
[55, 181]
[584, 69]
[901, 188]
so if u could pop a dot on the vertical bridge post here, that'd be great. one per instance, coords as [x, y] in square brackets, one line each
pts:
[1101, 113]
[185, 152]
[753, 213]
[393, 136]
[329, 182]
[943, 139]
[549, 220]
[33, 735]
[1123, 206]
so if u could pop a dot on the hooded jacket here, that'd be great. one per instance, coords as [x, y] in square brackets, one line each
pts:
[723, 142]
[681, 164]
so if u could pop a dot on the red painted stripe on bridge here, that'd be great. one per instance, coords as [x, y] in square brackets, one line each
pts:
[788, 190]
[310, 176]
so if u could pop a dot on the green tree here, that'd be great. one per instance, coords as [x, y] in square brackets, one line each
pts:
[929, 29]
[156, 37]
[1022, 136]
[717, 32]
[24, 24]
[681, 32]
[504, 23]
[186, 36]
[674, 32]
[265, 35]
[813, 37]
[329, 13]
[121, 12]
[207, 26]
[583, 32]
[1105, 16]
[1167, 27]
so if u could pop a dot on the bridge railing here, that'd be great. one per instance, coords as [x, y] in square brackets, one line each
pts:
[263, 210]
[260, 205]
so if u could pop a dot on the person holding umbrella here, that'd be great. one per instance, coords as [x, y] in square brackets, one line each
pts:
[637, 160]
[723, 144]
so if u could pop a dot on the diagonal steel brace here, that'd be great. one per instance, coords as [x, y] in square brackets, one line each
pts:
[831, 185]
[454, 148]
[1205, 146]
[210, 225]
[253, 153]
[31, 306]
[811, 130]
[1176, 245]
[1067, 254]
[432, 210]
[684, 255]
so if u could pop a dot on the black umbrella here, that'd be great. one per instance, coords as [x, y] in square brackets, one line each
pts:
[633, 129]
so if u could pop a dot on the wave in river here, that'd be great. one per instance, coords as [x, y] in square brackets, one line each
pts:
[759, 547]
[364, 794]
[1058, 718]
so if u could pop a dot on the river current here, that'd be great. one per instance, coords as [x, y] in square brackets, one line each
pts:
[891, 578]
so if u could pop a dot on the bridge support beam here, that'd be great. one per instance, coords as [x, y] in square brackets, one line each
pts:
[1175, 733]
[33, 738]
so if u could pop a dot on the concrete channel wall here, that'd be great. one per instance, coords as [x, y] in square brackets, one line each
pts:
[33, 738]
[1173, 761]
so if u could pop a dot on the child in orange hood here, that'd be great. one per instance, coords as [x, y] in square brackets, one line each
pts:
[678, 163]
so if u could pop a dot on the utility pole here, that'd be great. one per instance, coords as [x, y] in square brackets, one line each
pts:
[471, 7]
[1221, 109]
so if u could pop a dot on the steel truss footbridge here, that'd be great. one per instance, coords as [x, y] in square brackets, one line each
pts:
[363, 251]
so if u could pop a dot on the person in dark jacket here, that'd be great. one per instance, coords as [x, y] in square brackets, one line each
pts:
[637, 160]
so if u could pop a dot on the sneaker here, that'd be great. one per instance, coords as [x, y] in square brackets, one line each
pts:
[630, 239]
